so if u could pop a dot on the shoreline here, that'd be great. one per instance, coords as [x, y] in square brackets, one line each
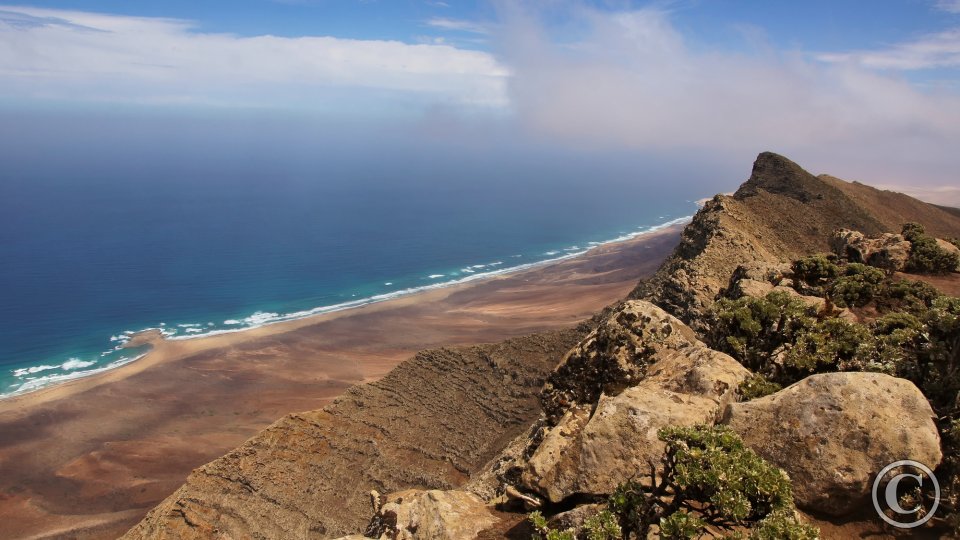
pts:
[89, 457]
[154, 335]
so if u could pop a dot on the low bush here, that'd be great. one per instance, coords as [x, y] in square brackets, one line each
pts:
[906, 296]
[757, 386]
[753, 330]
[815, 270]
[710, 478]
[857, 286]
[926, 256]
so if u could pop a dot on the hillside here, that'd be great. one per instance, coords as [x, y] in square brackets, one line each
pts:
[454, 415]
[432, 422]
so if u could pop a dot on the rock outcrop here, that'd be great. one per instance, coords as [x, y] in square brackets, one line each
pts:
[888, 251]
[684, 383]
[832, 432]
[613, 357]
[432, 515]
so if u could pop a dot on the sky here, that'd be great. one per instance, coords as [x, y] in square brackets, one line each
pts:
[867, 92]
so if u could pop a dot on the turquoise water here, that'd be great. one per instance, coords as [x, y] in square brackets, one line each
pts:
[90, 258]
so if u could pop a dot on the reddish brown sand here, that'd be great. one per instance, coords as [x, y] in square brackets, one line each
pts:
[88, 458]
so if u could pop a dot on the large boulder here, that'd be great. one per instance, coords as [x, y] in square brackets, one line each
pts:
[684, 383]
[887, 251]
[436, 515]
[612, 357]
[833, 432]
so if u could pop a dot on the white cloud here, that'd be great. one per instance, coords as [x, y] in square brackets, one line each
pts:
[950, 6]
[458, 25]
[77, 55]
[938, 50]
[631, 80]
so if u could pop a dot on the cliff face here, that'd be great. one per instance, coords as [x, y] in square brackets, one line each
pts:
[446, 415]
[780, 213]
[430, 423]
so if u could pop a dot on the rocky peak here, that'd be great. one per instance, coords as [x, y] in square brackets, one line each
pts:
[776, 174]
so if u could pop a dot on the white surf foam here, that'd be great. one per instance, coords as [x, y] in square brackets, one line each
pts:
[41, 382]
[75, 363]
[31, 370]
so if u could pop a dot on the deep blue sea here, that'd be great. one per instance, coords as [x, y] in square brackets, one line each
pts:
[89, 255]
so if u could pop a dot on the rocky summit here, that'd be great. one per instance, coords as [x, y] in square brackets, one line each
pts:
[789, 348]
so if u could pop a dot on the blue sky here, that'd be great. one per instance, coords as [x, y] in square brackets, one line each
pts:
[813, 24]
[871, 90]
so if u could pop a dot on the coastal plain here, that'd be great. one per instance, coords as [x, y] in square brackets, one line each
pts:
[88, 458]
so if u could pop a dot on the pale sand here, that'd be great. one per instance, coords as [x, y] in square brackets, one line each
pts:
[89, 457]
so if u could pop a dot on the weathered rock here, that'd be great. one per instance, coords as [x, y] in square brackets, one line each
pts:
[817, 303]
[842, 239]
[766, 272]
[832, 432]
[544, 466]
[621, 438]
[685, 383]
[699, 371]
[434, 515]
[612, 357]
[887, 251]
[750, 287]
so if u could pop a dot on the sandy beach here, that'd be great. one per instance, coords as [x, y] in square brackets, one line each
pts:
[88, 458]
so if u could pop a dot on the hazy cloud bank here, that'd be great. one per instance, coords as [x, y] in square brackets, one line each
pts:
[632, 78]
[55, 54]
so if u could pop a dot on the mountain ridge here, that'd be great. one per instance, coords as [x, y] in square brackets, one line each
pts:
[779, 213]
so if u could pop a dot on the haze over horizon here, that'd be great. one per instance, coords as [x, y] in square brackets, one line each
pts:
[871, 96]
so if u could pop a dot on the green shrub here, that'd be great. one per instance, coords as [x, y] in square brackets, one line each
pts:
[906, 296]
[783, 525]
[752, 329]
[709, 478]
[926, 256]
[828, 345]
[544, 532]
[939, 354]
[815, 270]
[757, 386]
[603, 526]
[912, 231]
[681, 525]
[857, 286]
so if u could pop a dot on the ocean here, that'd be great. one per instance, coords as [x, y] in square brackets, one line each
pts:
[90, 256]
